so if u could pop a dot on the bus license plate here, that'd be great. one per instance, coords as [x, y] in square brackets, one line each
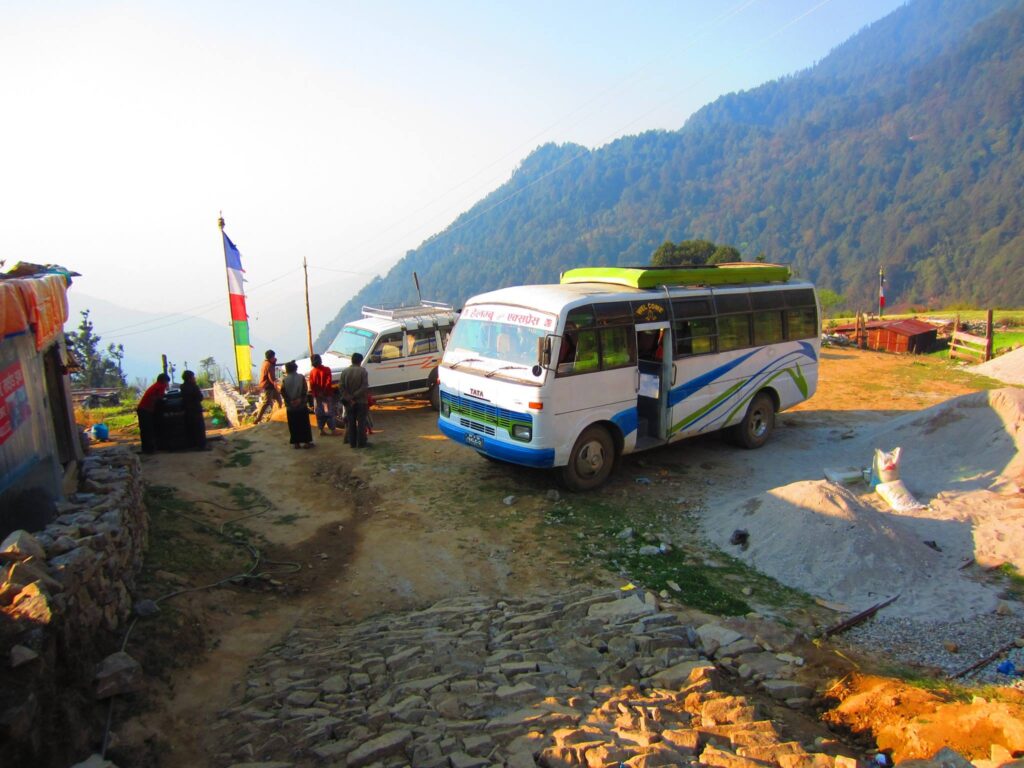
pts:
[475, 440]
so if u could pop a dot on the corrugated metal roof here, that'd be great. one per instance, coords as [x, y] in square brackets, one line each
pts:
[906, 327]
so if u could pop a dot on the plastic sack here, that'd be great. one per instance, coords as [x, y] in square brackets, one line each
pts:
[898, 497]
[886, 466]
[100, 432]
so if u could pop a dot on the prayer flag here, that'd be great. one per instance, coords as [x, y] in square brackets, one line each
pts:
[236, 300]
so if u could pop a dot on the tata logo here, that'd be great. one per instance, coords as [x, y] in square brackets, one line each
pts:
[476, 392]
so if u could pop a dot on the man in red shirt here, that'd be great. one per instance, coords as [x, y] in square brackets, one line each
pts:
[321, 386]
[146, 411]
[268, 385]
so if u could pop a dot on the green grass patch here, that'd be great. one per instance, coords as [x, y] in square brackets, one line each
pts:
[117, 417]
[1014, 580]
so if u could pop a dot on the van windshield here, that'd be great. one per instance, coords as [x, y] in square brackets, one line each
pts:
[352, 340]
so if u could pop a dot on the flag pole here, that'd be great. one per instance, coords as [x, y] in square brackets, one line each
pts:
[309, 327]
[881, 291]
[231, 324]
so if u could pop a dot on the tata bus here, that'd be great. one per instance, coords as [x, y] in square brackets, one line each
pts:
[611, 361]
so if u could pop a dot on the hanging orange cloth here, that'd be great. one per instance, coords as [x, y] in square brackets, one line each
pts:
[13, 319]
[46, 304]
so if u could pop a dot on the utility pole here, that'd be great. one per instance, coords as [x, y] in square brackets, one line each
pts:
[309, 327]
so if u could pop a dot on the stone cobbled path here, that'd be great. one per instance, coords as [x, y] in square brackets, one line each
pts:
[582, 679]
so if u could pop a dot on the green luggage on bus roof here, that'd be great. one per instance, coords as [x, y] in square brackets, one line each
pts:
[651, 277]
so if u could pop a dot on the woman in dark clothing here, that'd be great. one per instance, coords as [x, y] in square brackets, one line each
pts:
[295, 391]
[192, 399]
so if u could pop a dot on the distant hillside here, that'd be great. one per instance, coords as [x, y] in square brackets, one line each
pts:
[904, 148]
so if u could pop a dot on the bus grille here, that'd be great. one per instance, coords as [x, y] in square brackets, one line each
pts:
[484, 417]
[477, 426]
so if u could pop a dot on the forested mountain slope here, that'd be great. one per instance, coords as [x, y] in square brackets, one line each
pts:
[903, 148]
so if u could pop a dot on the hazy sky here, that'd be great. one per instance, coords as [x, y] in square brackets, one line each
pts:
[345, 132]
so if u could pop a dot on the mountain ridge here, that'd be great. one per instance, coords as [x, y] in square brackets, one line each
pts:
[902, 148]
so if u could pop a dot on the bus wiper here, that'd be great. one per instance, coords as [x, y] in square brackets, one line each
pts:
[503, 368]
[466, 360]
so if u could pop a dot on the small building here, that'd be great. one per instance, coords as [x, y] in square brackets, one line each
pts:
[903, 336]
[40, 446]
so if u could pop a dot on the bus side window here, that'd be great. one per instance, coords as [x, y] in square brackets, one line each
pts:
[733, 332]
[617, 347]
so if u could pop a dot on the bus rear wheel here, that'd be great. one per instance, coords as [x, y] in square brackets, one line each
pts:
[591, 460]
[758, 422]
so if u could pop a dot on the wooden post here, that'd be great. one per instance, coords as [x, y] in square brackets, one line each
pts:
[988, 336]
[309, 327]
[163, 359]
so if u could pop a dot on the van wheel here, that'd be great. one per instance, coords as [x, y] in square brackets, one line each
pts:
[591, 460]
[758, 422]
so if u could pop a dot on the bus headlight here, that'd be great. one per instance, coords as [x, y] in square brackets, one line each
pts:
[522, 432]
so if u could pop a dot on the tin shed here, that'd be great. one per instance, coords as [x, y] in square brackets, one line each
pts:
[39, 444]
[908, 335]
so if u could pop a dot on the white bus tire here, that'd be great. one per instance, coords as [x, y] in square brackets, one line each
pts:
[590, 461]
[758, 422]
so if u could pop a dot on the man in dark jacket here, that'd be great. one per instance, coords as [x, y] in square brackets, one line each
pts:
[355, 389]
[192, 399]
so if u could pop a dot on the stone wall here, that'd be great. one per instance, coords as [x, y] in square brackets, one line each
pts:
[236, 408]
[65, 599]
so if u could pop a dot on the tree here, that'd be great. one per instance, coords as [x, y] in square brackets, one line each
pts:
[693, 253]
[829, 300]
[96, 368]
[209, 372]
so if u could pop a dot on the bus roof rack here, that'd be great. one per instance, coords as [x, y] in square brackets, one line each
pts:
[416, 310]
[735, 273]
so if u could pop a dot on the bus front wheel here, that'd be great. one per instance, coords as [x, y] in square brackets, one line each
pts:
[757, 423]
[591, 460]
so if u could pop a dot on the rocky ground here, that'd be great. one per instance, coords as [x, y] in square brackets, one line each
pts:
[580, 678]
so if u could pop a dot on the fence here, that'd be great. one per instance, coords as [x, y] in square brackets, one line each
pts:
[967, 346]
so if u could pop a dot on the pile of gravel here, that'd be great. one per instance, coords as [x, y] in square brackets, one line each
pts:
[947, 645]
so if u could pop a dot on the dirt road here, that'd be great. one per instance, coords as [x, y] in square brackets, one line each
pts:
[415, 518]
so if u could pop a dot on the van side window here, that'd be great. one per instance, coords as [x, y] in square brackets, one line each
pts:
[388, 347]
[422, 341]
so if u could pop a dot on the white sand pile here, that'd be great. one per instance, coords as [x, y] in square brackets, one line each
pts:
[1008, 367]
[963, 458]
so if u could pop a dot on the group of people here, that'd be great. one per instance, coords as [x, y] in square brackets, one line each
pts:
[353, 392]
[292, 394]
[151, 405]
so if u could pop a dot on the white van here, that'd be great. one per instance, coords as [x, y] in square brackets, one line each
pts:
[401, 348]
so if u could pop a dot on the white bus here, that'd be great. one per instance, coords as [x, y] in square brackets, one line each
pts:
[616, 360]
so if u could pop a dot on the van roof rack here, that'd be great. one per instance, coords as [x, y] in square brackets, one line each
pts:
[734, 273]
[416, 310]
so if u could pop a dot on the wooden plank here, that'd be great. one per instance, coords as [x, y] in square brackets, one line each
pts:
[969, 338]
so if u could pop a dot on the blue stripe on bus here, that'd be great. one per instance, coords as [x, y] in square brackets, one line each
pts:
[542, 458]
[775, 366]
[626, 420]
[687, 388]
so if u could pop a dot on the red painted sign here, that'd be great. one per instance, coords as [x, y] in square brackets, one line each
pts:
[14, 407]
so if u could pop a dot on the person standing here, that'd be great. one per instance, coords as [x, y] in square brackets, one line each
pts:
[295, 391]
[355, 389]
[192, 399]
[321, 386]
[268, 386]
[147, 410]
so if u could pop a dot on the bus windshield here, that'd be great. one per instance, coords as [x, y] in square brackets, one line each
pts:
[496, 341]
[352, 340]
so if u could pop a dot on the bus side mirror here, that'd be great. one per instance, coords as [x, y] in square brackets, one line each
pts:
[544, 351]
